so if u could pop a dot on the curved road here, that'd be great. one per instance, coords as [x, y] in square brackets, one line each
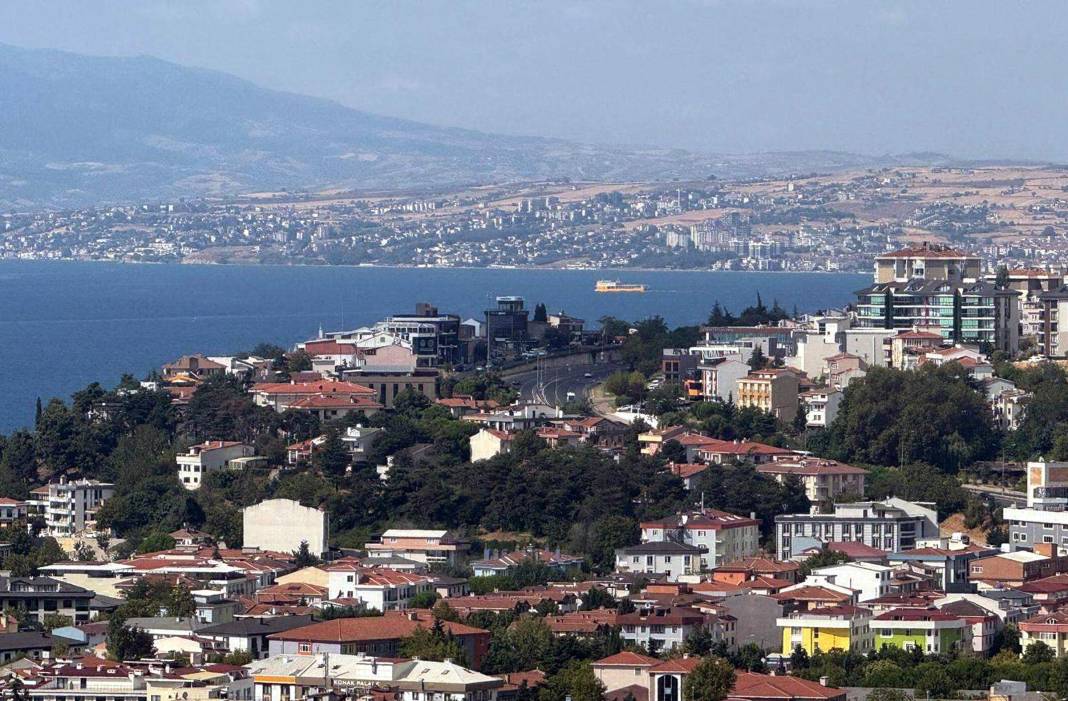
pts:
[551, 385]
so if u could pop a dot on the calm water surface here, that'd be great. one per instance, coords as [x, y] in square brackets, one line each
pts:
[64, 325]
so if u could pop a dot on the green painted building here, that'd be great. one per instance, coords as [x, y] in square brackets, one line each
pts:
[930, 630]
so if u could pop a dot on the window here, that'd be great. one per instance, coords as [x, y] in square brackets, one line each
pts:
[304, 647]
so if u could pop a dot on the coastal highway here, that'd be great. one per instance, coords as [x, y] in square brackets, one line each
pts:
[551, 385]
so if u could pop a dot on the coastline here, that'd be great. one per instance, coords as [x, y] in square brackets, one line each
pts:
[401, 266]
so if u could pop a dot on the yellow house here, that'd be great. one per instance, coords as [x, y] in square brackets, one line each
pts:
[836, 628]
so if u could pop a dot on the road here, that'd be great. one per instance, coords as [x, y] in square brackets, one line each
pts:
[551, 385]
[1001, 495]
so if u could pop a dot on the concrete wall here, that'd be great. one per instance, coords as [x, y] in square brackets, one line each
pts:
[281, 524]
[756, 614]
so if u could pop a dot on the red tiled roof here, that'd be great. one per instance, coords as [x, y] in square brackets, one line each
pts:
[627, 659]
[749, 685]
[686, 470]
[325, 386]
[678, 665]
[335, 401]
[390, 626]
[855, 549]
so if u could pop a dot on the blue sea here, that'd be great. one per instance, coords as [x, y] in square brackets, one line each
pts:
[65, 324]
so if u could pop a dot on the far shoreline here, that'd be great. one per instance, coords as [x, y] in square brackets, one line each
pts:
[399, 266]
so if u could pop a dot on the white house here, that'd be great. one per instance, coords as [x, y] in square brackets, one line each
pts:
[282, 524]
[489, 442]
[200, 459]
[821, 406]
[721, 536]
[868, 579]
[660, 557]
[375, 588]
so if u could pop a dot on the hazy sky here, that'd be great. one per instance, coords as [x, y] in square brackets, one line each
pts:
[970, 78]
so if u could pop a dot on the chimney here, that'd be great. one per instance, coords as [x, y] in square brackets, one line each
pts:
[824, 680]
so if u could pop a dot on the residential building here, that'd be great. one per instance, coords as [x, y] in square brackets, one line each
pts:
[558, 562]
[624, 669]
[285, 395]
[823, 480]
[1012, 569]
[723, 537]
[720, 376]
[845, 628]
[1049, 628]
[378, 588]
[488, 443]
[203, 458]
[250, 634]
[891, 525]
[928, 262]
[40, 597]
[196, 365]
[506, 329]
[665, 557]
[284, 677]
[841, 369]
[930, 631]
[69, 507]
[660, 629]
[820, 406]
[774, 390]
[867, 579]
[947, 567]
[967, 312]
[982, 621]
[780, 687]
[1044, 520]
[387, 382]
[426, 546]
[11, 511]
[677, 364]
[374, 635]
[281, 525]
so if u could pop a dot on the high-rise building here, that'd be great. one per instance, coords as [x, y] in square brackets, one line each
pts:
[506, 329]
[939, 289]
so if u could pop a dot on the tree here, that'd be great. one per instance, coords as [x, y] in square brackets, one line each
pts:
[433, 643]
[303, 557]
[799, 658]
[540, 313]
[757, 361]
[332, 458]
[1037, 652]
[424, 600]
[156, 541]
[933, 415]
[576, 681]
[1001, 281]
[125, 643]
[711, 680]
[888, 695]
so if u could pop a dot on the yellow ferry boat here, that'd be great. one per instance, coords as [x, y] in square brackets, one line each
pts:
[617, 286]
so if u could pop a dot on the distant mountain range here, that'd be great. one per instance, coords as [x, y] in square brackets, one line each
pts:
[78, 130]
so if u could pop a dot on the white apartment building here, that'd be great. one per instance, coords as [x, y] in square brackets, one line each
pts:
[722, 537]
[375, 588]
[69, 507]
[665, 557]
[200, 459]
[820, 406]
[868, 579]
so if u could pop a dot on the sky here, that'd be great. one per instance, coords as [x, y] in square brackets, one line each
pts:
[970, 78]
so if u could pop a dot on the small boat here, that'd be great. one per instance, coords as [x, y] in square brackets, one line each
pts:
[617, 286]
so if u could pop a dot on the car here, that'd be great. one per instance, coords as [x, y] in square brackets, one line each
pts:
[587, 374]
